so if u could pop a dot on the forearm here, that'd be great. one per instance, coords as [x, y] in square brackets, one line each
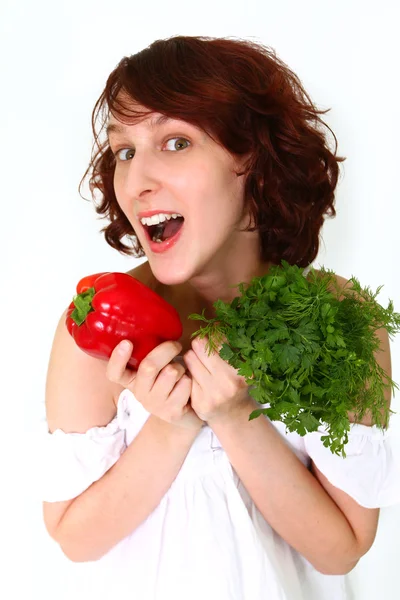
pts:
[115, 505]
[288, 496]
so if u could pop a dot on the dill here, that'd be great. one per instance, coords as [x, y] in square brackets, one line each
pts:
[306, 354]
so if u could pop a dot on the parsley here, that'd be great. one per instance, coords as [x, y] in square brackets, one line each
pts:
[306, 354]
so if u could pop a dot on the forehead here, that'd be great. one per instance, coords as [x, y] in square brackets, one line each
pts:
[150, 122]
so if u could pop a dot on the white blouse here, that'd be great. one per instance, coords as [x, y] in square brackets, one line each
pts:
[206, 540]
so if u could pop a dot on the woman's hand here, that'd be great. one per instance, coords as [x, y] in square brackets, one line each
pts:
[162, 387]
[218, 392]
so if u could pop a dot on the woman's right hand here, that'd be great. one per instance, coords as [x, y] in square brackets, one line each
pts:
[160, 386]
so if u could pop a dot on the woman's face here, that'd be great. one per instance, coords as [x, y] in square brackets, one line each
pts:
[174, 167]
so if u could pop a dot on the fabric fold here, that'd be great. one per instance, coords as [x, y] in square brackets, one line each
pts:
[70, 462]
[370, 472]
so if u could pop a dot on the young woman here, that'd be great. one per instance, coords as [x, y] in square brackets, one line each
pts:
[212, 159]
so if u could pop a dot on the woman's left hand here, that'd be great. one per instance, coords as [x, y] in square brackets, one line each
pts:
[218, 391]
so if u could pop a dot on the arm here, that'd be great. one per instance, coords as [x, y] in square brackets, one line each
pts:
[292, 500]
[319, 520]
[323, 523]
[115, 505]
[79, 396]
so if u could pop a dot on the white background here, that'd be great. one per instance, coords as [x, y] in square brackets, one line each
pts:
[55, 58]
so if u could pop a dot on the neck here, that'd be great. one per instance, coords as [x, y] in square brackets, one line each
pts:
[207, 288]
[217, 282]
[239, 263]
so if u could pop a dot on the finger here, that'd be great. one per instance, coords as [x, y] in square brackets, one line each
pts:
[213, 362]
[180, 394]
[116, 368]
[199, 348]
[152, 364]
[197, 369]
[168, 378]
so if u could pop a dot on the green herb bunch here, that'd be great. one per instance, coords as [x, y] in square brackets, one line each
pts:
[303, 352]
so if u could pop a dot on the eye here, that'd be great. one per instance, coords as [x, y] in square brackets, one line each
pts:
[128, 153]
[124, 154]
[178, 138]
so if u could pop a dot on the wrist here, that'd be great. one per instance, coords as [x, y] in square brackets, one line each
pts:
[239, 414]
[174, 431]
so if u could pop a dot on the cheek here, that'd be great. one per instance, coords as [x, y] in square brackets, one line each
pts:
[118, 187]
[125, 201]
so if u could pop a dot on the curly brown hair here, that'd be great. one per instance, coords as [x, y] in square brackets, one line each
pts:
[250, 102]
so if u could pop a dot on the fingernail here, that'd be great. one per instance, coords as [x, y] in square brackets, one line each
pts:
[124, 346]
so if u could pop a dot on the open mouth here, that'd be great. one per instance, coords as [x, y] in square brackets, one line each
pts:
[164, 231]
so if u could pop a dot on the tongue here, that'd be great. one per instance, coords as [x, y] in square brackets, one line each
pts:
[171, 228]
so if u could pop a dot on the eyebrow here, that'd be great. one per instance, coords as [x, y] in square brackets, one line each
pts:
[115, 128]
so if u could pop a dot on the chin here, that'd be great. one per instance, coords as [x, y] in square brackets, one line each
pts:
[170, 275]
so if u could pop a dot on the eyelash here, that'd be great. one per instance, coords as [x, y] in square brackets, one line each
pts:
[178, 137]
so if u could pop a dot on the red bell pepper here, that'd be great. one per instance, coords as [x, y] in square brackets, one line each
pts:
[110, 307]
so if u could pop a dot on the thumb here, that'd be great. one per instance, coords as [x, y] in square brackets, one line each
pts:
[117, 371]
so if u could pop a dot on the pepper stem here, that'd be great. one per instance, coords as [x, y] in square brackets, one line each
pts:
[83, 305]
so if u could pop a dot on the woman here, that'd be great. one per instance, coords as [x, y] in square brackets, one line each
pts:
[212, 159]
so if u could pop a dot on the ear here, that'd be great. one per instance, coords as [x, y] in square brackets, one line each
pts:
[241, 162]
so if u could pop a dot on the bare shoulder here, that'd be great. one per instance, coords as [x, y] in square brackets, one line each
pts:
[78, 393]
[382, 354]
[338, 283]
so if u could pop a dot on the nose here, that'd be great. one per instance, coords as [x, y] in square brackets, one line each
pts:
[141, 176]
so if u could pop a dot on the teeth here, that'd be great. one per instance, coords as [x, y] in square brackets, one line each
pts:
[160, 218]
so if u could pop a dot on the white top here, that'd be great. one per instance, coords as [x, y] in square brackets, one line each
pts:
[206, 540]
